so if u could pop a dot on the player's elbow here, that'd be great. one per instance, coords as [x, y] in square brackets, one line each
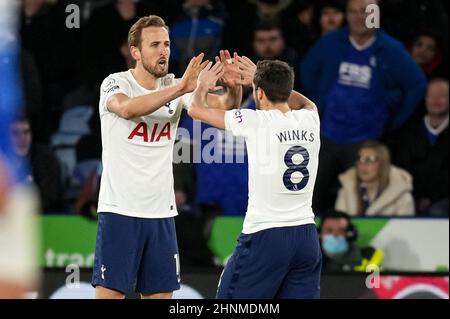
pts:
[127, 115]
[126, 112]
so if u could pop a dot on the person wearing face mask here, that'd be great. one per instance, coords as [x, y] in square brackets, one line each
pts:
[338, 243]
[374, 187]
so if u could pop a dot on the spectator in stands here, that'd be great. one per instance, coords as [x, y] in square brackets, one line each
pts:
[331, 16]
[243, 16]
[422, 149]
[269, 44]
[198, 28]
[45, 169]
[374, 187]
[108, 25]
[193, 223]
[427, 51]
[338, 238]
[36, 32]
[228, 165]
[364, 82]
[128, 61]
[298, 25]
[45, 36]
[404, 18]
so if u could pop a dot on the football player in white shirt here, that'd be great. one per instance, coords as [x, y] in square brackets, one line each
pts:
[278, 253]
[136, 246]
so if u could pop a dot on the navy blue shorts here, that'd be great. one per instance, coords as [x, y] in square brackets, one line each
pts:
[276, 263]
[136, 254]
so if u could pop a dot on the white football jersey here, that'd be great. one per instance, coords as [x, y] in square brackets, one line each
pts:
[283, 157]
[137, 177]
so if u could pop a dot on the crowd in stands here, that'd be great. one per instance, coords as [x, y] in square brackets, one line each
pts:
[382, 95]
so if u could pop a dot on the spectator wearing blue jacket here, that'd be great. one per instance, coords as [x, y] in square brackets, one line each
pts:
[198, 28]
[364, 83]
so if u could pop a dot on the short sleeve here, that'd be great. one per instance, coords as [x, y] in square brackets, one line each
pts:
[241, 122]
[112, 85]
[185, 100]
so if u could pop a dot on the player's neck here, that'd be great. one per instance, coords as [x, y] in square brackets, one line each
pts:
[282, 107]
[144, 79]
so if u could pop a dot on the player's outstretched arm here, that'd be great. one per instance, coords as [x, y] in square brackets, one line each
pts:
[247, 68]
[231, 79]
[128, 108]
[199, 109]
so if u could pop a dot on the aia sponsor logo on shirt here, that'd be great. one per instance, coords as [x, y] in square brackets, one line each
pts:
[156, 133]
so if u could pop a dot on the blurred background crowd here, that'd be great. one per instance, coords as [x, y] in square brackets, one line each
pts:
[382, 96]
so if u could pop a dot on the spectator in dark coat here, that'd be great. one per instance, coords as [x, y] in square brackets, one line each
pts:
[422, 149]
[45, 171]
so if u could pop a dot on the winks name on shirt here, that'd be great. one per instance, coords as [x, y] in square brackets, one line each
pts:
[295, 135]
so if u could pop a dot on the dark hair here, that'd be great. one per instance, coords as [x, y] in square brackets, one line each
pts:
[431, 34]
[335, 4]
[22, 117]
[268, 25]
[275, 78]
[437, 79]
[351, 232]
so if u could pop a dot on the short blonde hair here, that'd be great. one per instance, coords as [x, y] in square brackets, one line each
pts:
[134, 35]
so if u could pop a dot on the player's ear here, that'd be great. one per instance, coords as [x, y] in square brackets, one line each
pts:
[135, 53]
[260, 93]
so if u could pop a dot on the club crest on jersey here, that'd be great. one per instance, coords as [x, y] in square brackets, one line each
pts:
[168, 106]
[141, 131]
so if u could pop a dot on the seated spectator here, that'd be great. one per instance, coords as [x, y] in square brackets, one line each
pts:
[45, 171]
[198, 28]
[364, 83]
[269, 44]
[422, 149]
[427, 51]
[338, 242]
[374, 187]
[331, 16]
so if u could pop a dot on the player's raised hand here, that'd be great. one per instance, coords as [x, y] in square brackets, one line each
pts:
[247, 70]
[210, 75]
[190, 76]
[231, 76]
